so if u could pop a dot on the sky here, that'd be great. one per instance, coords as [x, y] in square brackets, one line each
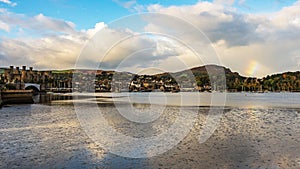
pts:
[252, 37]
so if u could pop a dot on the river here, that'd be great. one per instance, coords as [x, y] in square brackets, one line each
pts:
[251, 130]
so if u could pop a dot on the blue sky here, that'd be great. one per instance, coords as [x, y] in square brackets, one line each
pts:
[83, 13]
[253, 37]
[88, 12]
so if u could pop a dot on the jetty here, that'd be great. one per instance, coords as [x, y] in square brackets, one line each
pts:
[16, 97]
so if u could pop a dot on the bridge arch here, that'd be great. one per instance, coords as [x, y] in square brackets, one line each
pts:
[35, 87]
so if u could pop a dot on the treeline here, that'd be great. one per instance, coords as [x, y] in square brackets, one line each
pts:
[288, 81]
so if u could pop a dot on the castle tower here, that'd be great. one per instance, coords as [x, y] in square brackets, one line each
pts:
[24, 74]
[30, 77]
[10, 74]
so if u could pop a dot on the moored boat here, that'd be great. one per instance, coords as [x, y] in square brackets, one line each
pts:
[0, 101]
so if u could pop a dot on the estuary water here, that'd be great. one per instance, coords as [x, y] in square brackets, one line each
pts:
[248, 130]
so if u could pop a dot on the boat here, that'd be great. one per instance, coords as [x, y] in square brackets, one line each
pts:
[16, 97]
[175, 91]
[1, 103]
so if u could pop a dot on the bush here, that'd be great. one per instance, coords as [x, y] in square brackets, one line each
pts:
[10, 87]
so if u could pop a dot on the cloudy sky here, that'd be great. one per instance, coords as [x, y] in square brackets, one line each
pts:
[252, 37]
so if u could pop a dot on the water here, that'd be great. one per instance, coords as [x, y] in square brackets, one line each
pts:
[244, 100]
[256, 130]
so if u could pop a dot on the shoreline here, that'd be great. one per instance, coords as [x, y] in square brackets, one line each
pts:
[286, 100]
[231, 100]
[16, 97]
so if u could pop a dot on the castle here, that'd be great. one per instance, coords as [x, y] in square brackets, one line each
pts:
[17, 77]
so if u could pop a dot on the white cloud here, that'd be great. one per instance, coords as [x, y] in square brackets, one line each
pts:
[40, 41]
[38, 23]
[97, 27]
[3, 10]
[268, 39]
[226, 2]
[9, 2]
[43, 53]
[123, 49]
[60, 51]
[131, 5]
[267, 42]
[4, 26]
[46, 23]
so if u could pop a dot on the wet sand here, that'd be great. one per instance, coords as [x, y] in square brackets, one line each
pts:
[50, 136]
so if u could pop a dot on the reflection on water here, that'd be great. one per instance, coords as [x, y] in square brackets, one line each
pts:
[48, 135]
[48, 98]
[243, 100]
[139, 130]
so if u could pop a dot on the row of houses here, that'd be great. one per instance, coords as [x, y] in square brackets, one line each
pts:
[147, 83]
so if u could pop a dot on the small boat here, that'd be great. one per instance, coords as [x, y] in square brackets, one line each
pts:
[175, 91]
[1, 103]
[17, 97]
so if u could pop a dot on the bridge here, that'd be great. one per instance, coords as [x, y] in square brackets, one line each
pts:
[33, 86]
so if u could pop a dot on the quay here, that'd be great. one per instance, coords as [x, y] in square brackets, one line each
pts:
[16, 97]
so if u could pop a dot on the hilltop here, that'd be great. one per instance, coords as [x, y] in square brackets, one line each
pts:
[201, 78]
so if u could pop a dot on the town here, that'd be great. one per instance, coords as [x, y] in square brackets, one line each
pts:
[198, 80]
[14, 78]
